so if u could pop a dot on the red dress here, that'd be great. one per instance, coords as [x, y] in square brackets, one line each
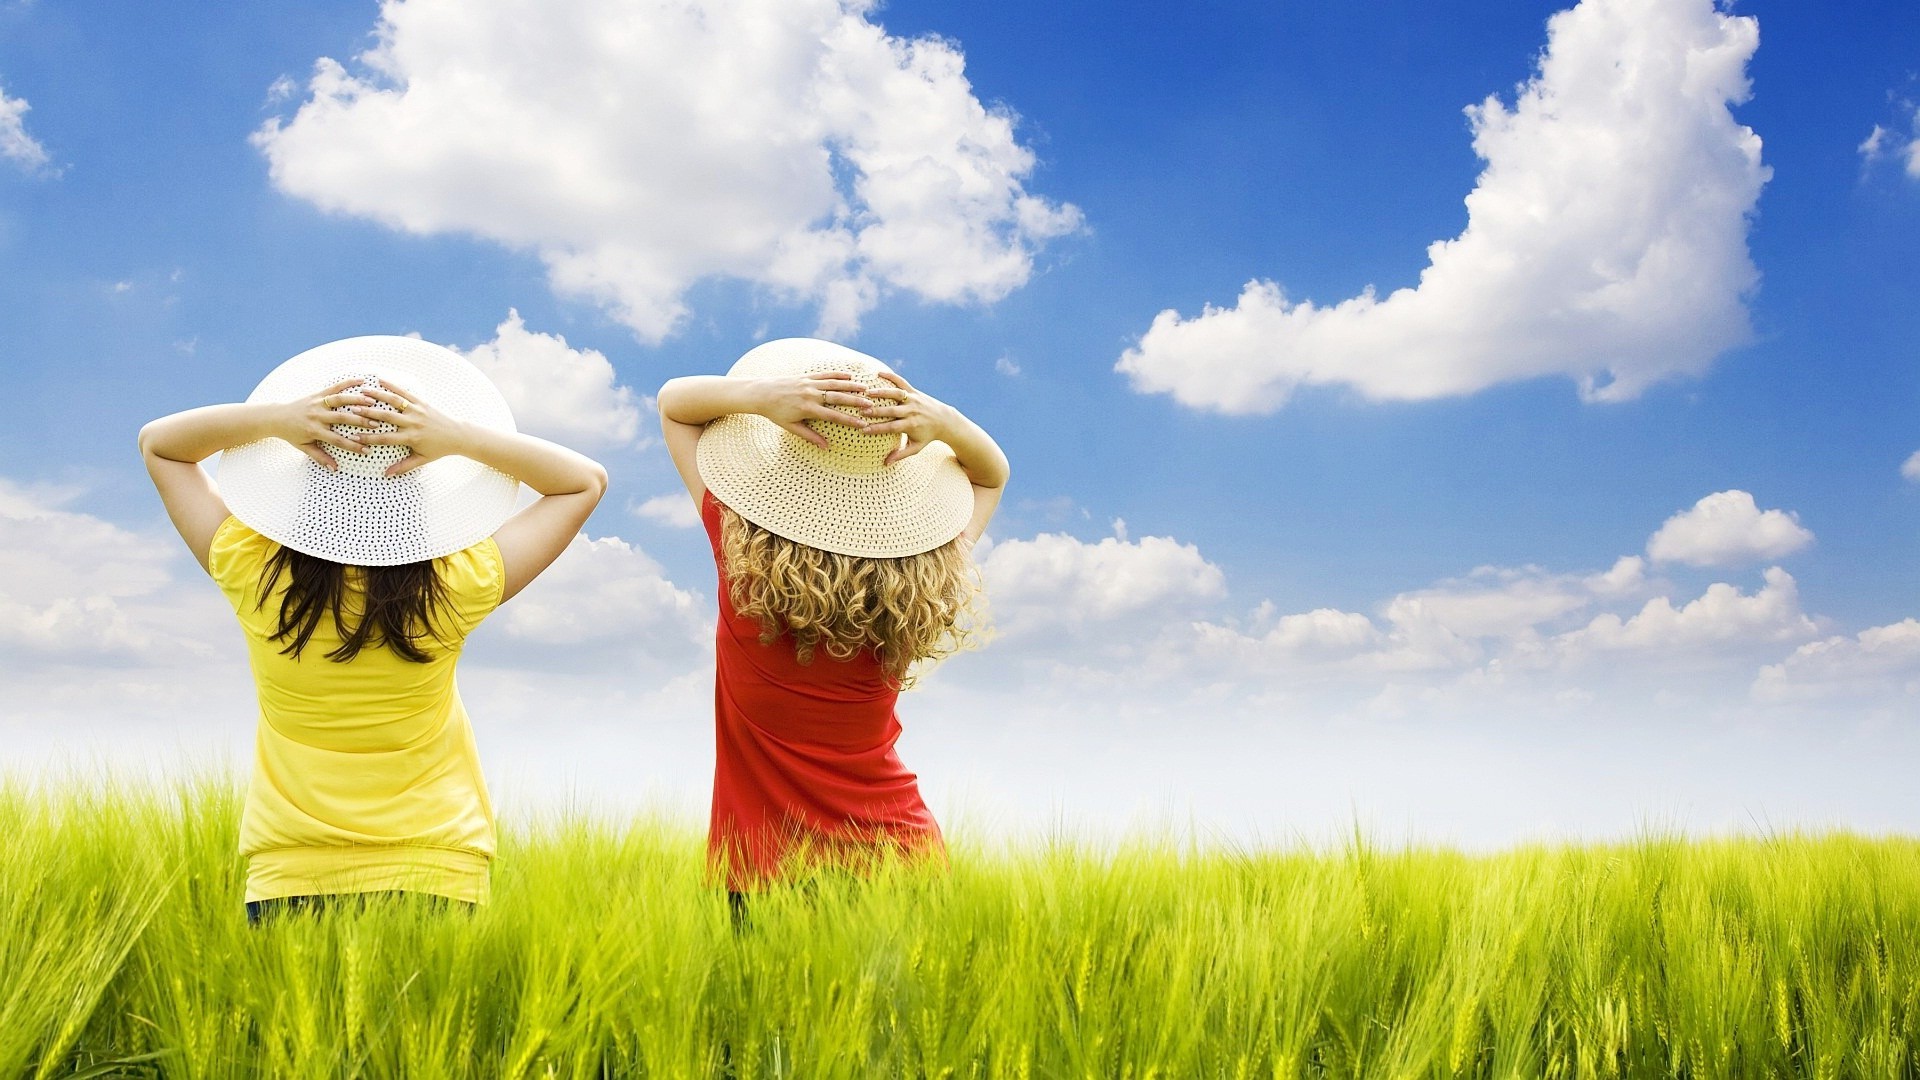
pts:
[804, 765]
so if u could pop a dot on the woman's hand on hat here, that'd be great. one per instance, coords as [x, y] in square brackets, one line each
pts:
[791, 401]
[309, 423]
[900, 409]
[426, 432]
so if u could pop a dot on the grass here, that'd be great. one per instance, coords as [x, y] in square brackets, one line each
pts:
[123, 952]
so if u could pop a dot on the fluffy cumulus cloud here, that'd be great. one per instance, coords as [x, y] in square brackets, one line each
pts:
[637, 148]
[1727, 528]
[1152, 618]
[1055, 581]
[1606, 239]
[601, 597]
[1722, 616]
[1881, 662]
[1911, 467]
[673, 510]
[74, 587]
[15, 144]
[1508, 620]
[569, 395]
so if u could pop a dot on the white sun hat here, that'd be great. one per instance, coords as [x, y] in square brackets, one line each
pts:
[844, 498]
[359, 515]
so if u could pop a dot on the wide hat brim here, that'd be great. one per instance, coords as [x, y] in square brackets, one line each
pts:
[359, 515]
[841, 499]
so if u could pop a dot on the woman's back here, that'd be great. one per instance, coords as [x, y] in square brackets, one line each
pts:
[374, 750]
[801, 749]
[842, 702]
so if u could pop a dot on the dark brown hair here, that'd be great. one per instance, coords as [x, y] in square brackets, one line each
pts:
[397, 607]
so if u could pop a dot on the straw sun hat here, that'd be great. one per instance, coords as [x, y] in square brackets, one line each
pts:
[843, 498]
[359, 515]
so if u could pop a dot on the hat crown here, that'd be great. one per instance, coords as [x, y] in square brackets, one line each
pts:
[849, 449]
[373, 460]
[842, 497]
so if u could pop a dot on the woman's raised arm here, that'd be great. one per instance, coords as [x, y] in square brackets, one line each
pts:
[688, 403]
[570, 484]
[923, 418]
[174, 446]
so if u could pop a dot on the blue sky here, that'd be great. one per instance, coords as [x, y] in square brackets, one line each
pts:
[186, 199]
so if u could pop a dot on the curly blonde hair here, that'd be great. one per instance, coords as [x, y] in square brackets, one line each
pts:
[916, 608]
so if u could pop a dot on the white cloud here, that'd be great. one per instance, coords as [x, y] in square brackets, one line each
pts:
[1879, 662]
[1911, 467]
[1727, 529]
[1492, 602]
[556, 392]
[1116, 616]
[1494, 616]
[605, 595]
[640, 147]
[15, 144]
[1721, 617]
[1874, 146]
[1323, 636]
[1005, 365]
[1628, 575]
[75, 587]
[1882, 142]
[673, 509]
[1606, 239]
[1055, 580]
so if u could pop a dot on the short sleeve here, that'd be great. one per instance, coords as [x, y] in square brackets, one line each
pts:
[476, 581]
[236, 560]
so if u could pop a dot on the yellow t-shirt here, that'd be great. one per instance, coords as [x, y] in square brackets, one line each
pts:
[365, 776]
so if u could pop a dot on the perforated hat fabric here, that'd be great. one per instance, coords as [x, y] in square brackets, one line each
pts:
[360, 515]
[842, 499]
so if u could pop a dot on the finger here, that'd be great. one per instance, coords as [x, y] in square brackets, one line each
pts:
[895, 380]
[343, 384]
[907, 450]
[888, 412]
[377, 417]
[886, 427]
[835, 416]
[320, 457]
[807, 433]
[353, 418]
[396, 388]
[406, 465]
[335, 439]
[846, 386]
[384, 438]
[341, 401]
[857, 401]
[400, 402]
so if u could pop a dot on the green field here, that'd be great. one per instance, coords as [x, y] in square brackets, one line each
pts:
[123, 952]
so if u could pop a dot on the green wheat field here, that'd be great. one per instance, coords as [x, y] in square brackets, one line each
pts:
[123, 952]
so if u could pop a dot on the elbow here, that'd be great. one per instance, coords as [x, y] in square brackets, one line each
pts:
[145, 439]
[669, 390]
[596, 488]
[999, 472]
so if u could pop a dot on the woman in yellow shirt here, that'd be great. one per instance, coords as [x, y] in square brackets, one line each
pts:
[362, 526]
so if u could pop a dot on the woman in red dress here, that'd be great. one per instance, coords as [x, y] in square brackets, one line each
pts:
[842, 505]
